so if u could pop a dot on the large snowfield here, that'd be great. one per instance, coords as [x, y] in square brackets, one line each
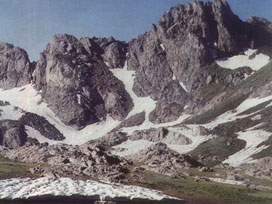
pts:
[27, 188]
[249, 59]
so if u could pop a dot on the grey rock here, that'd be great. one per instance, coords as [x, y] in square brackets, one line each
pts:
[115, 54]
[159, 158]
[68, 160]
[82, 81]
[15, 67]
[178, 50]
[15, 136]
[161, 135]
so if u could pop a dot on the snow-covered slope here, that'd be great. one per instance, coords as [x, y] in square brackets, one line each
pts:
[29, 100]
[48, 187]
[248, 59]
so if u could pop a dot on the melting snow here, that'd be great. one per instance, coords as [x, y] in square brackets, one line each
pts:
[131, 147]
[226, 181]
[193, 133]
[147, 125]
[234, 114]
[26, 188]
[190, 131]
[253, 139]
[237, 61]
[28, 99]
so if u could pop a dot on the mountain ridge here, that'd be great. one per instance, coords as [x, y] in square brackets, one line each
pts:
[196, 86]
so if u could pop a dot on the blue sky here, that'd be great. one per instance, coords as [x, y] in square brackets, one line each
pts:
[30, 24]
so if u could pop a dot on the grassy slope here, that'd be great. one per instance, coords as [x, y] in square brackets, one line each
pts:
[205, 192]
[12, 169]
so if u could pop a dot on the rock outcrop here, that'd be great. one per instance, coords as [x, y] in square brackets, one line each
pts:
[77, 84]
[13, 134]
[160, 135]
[67, 160]
[15, 67]
[159, 158]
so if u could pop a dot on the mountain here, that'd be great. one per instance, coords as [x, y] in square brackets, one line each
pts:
[194, 91]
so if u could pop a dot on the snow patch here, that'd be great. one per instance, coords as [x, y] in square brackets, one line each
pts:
[8, 112]
[147, 124]
[146, 104]
[162, 47]
[256, 117]
[234, 114]
[226, 181]
[183, 86]
[25, 188]
[193, 133]
[237, 61]
[31, 132]
[174, 77]
[78, 98]
[253, 139]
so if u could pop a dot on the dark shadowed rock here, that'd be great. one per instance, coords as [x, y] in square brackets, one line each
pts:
[15, 67]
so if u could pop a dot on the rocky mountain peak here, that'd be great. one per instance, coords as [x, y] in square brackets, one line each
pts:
[15, 67]
[75, 70]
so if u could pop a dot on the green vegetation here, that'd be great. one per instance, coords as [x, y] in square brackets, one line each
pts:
[217, 110]
[200, 192]
[13, 169]
[221, 147]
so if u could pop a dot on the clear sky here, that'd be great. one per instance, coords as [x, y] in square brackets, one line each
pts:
[30, 24]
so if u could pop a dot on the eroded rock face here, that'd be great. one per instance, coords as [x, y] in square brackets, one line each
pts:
[15, 67]
[77, 84]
